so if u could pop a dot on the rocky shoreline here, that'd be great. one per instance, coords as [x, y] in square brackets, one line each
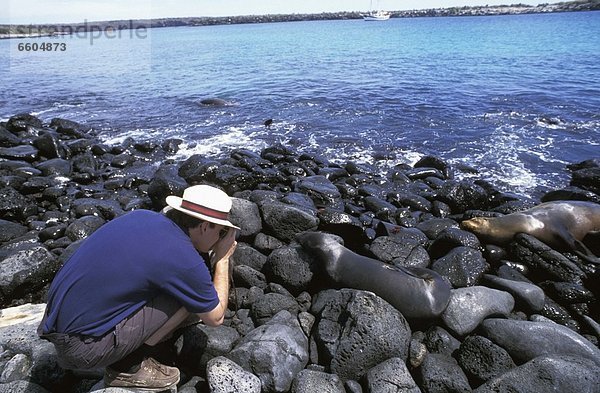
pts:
[25, 31]
[521, 318]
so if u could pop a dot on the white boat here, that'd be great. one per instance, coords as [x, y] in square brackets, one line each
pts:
[376, 15]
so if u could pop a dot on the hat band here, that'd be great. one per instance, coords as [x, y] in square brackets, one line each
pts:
[204, 210]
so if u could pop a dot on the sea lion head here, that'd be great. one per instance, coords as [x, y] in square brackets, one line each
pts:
[324, 247]
[477, 225]
[495, 230]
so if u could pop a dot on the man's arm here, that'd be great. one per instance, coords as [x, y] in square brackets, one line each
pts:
[221, 254]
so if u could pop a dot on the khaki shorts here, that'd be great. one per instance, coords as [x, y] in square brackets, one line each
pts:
[77, 351]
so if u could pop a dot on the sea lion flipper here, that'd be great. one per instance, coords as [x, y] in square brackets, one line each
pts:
[584, 253]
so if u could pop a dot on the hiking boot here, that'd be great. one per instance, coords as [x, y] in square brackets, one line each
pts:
[152, 376]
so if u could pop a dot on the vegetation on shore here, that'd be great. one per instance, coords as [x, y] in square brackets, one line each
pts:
[10, 30]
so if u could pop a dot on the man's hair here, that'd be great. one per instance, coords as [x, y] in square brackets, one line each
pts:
[185, 221]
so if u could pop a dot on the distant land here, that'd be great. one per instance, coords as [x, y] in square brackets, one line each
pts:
[24, 31]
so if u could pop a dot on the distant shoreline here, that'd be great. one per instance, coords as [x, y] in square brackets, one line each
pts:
[8, 31]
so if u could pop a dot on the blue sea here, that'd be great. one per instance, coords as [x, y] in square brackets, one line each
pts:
[517, 97]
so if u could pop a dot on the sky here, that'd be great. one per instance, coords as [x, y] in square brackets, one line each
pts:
[78, 11]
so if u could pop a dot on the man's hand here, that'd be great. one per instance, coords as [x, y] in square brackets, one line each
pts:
[224, 247]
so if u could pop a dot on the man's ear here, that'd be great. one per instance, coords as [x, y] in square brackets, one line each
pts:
[204, 226]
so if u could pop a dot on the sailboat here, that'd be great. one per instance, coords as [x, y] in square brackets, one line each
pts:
[376, 15]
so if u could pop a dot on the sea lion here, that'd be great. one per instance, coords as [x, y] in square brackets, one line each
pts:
[559, 224]
[415, 292]
[215, 102]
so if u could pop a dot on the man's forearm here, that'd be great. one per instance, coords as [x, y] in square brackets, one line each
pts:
[221, 282]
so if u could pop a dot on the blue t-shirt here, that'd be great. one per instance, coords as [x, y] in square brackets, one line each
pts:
[122, 266]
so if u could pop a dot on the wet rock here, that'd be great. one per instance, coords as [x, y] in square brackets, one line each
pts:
[22, 387]
[432, 228]
[275, 352]
[22, 152]
[70, 128]
[83, 227]
[166, 182]
[571, 193]
[301, 201]
[343, 224]
[36, 184]
[483, 360]
[22, 121]
[10, 230]
[568, 293]
[435, 162]
[546, 262]
[52, 233]
[7, 138]
[55, 167]
[50, 146]
[463, 266]
[565, 374]
[587, 179]
[198, 169]
[391, 376]
[321, 190]
[462, 196]
[382, 209]
[469, 306]
[424, 173]
[358, 330]
[284, 221]
[557, 313]
[25, 269]
[450, 238]
[408, 199]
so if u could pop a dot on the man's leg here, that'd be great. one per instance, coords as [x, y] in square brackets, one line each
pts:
[169, 327]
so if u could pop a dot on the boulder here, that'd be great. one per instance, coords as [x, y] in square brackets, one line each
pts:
[462, 266]
[391, 376]
[483, 360]
[201, 343]
[310, 381]
[356, 331]
[321, 190]
[225, 376]
[525, 340]
[245, 214]
[529, 295]
[441, 373]
[549, 373]
[291, 267]
[469, 306]
[285, 221]
[275, 352]
[26, 268]
[165, 182]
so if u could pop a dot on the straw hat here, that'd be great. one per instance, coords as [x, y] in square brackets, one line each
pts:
[204, 202]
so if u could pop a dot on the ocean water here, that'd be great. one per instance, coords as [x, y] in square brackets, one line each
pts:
[517, 97]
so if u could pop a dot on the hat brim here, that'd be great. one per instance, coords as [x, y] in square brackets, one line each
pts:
[175, 203]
